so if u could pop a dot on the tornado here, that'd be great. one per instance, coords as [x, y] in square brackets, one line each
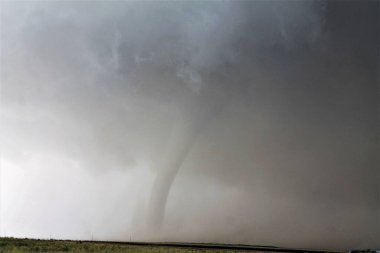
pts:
[180, 144]
[193, 116]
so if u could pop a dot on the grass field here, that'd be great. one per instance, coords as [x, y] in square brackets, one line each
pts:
[8, 245]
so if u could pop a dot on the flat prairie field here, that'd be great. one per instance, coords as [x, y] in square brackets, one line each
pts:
[14, 245]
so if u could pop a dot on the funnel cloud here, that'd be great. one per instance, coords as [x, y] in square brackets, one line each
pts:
[252, 122]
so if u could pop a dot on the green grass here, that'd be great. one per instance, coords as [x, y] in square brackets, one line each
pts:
[12, 245]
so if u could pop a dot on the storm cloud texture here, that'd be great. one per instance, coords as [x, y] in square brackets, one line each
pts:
[201, 121]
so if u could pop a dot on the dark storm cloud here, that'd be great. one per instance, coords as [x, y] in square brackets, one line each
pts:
[267, 106]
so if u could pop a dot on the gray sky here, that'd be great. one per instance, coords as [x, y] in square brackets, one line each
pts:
[259, 118]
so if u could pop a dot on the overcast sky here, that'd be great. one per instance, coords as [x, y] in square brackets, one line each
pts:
[202, 121]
